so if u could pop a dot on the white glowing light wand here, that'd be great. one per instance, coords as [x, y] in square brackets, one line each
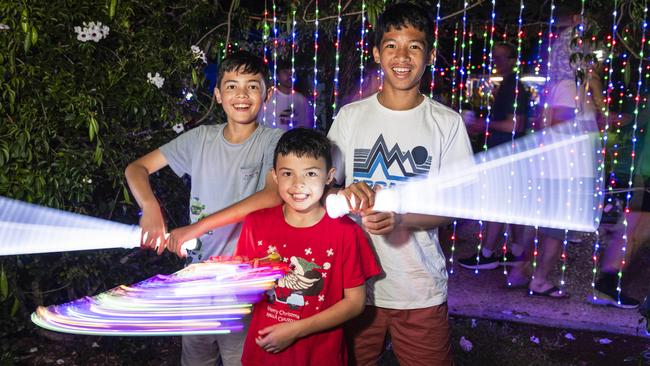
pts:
[549, 179]
[27, 229]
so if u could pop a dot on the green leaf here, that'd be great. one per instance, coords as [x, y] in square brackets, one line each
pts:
[195, 78]
[27, 44]
[111, 9]
[99, 152]
[24, 21]
[126, 195]
[93, 127]
[15, 307]
[34, 35]
[4, 285]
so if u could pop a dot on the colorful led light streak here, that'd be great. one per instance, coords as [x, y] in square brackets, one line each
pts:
[203, 298]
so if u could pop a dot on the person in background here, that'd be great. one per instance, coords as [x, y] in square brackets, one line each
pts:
[278, 111]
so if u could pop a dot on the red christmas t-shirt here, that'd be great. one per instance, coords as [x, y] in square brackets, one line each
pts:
[325, 259]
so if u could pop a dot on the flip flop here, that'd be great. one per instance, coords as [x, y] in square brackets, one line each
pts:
[549, 293]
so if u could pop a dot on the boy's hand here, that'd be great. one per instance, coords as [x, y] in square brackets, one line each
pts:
[153, 229]
[359, 196]
[277, 337]
[179, 236]
[379, 223]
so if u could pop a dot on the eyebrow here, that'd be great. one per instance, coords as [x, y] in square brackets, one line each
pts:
[309, 168]
[247, 81]
[412, 40]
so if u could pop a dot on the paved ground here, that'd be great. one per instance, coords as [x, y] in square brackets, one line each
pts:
[484, 295]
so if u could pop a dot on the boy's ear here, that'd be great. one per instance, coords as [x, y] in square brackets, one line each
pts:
[330, 175]
[275, 176]
[268, 93]
[217, 95]
[375, 54]
[432, 56]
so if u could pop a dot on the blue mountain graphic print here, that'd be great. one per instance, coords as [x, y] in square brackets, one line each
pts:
[409, 164]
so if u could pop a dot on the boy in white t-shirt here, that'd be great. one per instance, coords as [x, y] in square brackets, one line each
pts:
[384, 140]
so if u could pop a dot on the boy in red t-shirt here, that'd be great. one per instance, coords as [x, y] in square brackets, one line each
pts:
[299, 322]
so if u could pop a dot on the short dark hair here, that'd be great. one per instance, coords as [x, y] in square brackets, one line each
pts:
[246, 63]
[301, 142]
[512, 50]
[404, 14]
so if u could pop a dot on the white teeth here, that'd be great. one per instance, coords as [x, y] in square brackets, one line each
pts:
[400, 69]
[299, 196]
[241, 105]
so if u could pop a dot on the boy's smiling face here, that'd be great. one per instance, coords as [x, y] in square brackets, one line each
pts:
[241, 95]
[301, 182]
[403, 56]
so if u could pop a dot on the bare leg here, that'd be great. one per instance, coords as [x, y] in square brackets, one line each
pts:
[550, 251]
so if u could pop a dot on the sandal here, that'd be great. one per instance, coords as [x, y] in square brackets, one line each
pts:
[554, 292]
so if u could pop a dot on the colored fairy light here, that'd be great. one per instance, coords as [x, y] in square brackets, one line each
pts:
[454, 67]
[435, 48]
[489, 71]
[480, 244]
[203, 298]
[315, 94]
[293, 65]
[336, 58]
[453, 248]
[637, 98]
[461, 69]
[362, 46]
[549, 52]
[469, 59]
[275, 66]
[484, 190]
[484, 78]
[539, 60]
[563, 256]
[265, 39]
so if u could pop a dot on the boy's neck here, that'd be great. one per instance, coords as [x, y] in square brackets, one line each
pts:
[302, 219]
[400, 100]
[284, 89]
[236, 133]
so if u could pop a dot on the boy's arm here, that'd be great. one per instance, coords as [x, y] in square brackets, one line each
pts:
[279, 336]
[267, 197]
[137, 176]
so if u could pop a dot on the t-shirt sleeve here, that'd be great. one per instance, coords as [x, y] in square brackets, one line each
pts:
[267, 163]
[338, 137]
[359, 261]
[179, 151]
[245, 247]
[457, 152]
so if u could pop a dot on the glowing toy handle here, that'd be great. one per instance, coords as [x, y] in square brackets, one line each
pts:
[385, 200]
